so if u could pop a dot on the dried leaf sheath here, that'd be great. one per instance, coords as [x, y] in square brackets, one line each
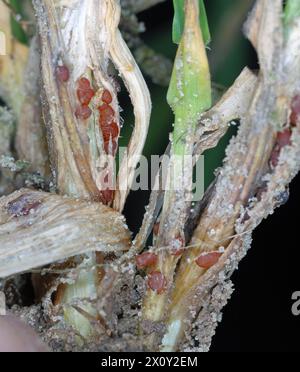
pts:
[48, 228]
[84, 37]
[233, 105]
[74, 83]
[82, 112]
[140, 97]
[75, 41]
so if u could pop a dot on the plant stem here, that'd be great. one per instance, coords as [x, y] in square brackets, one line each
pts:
[189, 95]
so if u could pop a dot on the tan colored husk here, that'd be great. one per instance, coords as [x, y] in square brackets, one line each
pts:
[140, 97]
[55, 228]
[75, 37]
[233, 105]
[84, 37]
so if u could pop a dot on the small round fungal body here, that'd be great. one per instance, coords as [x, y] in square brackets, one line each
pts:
[157, 282]
[83, 112]
[283, 139]
[145, 260]
[23, 205]
[106, 115]
[63, 74]
[106, 196]
[110, 131]
[85, 93]
[108, 125]
[207, 260]
[84, 83]
[106, 97]
[85, 96]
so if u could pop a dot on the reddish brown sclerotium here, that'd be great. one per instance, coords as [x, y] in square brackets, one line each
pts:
[106, 97]
[146, 259]
[107, 196]
[207, 260]
[109, 128]
[157, 282]
[83, 112]
[110, 131]
[283, 139]
[62, 73]
[85, 96]
[84, 83]
[85, 92]
[107, 114]
[110, 147]
[156, 228]
[23, 205]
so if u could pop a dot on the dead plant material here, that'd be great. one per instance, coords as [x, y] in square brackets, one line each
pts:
[47, 228]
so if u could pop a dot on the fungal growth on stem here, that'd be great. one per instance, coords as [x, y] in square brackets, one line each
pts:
[189, 95]
[82, 112]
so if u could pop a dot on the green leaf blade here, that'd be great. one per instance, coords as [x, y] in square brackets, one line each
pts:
[178, 22]
[17, 30]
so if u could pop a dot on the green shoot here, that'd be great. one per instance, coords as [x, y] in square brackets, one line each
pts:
[179, 17]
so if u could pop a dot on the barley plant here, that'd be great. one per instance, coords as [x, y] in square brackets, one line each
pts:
[63, 232]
